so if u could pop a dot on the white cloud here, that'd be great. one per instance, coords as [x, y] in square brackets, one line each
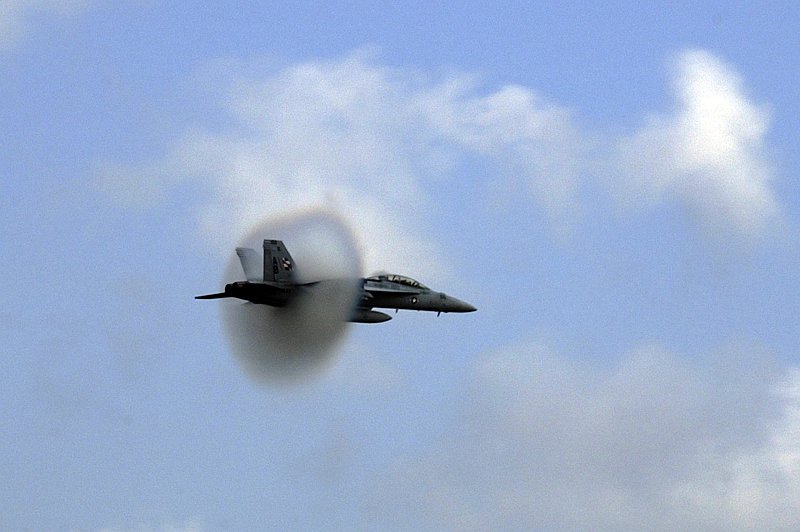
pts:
[756, 488]
[529, 137]
[369, 140]
[11, 13]
[366, 141]
[16, 16]
[709, 153]
[165, 527]
[657, 443]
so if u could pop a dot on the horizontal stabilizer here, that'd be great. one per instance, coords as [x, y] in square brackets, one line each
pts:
[213, 296]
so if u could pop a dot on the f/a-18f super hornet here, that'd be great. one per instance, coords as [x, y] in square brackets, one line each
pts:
[275, 285]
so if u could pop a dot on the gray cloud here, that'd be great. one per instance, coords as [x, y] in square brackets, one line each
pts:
[658, 443]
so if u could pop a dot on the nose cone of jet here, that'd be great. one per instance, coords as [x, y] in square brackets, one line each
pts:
[456, 305]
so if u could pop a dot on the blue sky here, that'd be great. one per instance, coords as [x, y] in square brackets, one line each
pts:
[611, 186]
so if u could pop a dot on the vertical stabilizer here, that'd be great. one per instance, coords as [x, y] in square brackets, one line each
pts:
[251, 263]
[278, 264]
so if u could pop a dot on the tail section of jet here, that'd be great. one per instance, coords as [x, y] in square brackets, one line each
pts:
[278, 263]
[251, 264]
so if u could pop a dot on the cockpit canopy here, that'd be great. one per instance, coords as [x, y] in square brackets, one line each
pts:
[400, 279]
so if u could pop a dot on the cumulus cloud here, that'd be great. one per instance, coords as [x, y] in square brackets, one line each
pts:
[528, 136]
[657, 442]
[16, 16]
[754, 489]
[370, 141]
[709, 153]
[365, 140]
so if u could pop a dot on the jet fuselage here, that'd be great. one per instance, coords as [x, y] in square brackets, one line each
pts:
[275, 285]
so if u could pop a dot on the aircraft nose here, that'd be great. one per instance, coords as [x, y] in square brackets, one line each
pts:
[456, 305]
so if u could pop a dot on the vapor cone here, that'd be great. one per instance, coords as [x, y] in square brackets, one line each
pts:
[290, 343]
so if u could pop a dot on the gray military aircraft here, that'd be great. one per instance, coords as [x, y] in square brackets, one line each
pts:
[276, 287]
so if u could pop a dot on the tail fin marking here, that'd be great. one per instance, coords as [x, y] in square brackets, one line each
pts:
[278, 263]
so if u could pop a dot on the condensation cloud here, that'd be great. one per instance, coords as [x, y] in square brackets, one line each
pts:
[291, 343]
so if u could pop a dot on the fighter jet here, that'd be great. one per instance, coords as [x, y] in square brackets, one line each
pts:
[275, 285]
